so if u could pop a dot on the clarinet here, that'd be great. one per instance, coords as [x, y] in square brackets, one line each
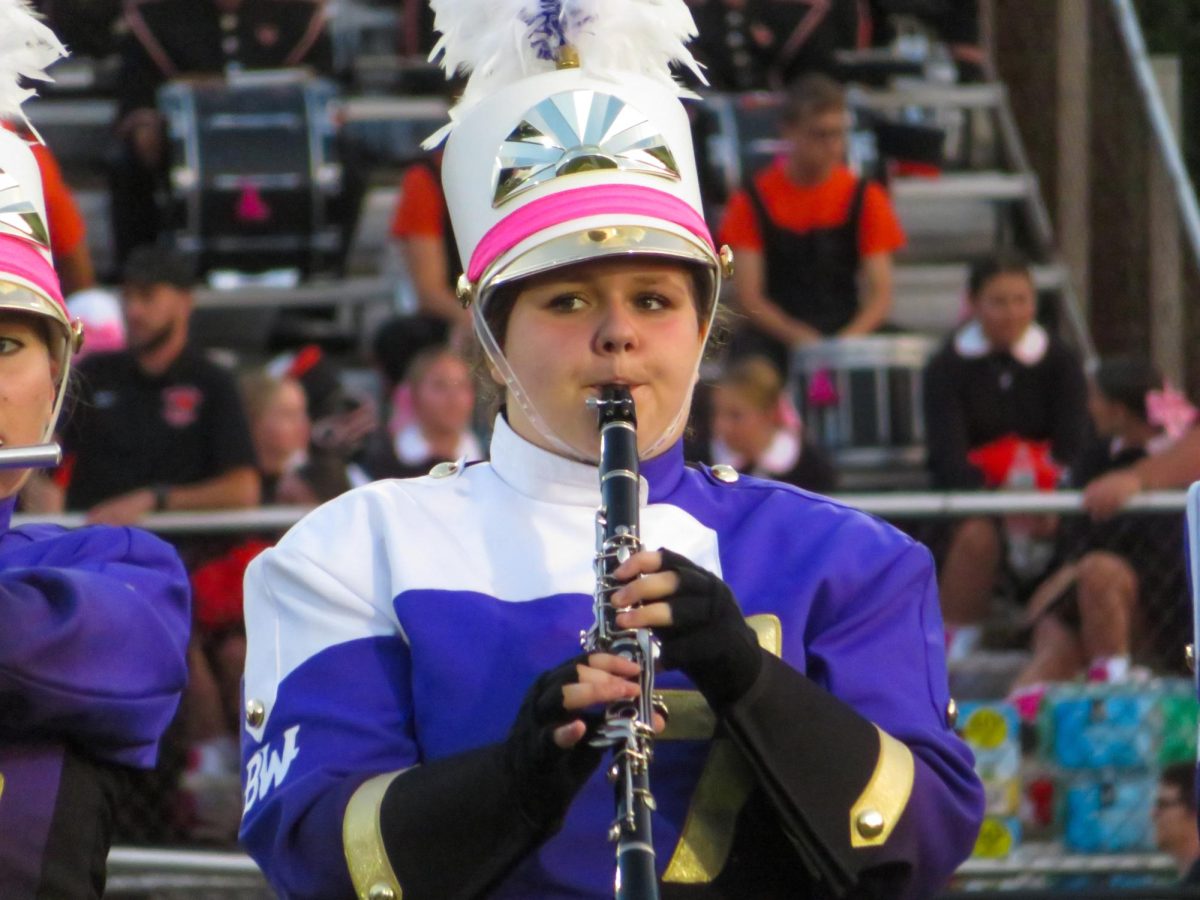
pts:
[628, 724]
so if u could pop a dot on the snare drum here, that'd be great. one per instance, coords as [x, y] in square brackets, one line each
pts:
[860, 398]
[254, 179]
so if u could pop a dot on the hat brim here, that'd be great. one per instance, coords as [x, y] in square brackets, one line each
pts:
[583, 241]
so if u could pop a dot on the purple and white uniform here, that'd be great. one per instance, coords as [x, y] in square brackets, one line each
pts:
[93, 661]
[403, 622]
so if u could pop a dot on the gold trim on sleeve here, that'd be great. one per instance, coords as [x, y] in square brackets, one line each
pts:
[725, 783]
[878, 808]
[769, 631]
[362, 841]
[1, 785]
[708, 831]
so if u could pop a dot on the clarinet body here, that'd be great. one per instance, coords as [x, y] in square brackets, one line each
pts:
[628, 725]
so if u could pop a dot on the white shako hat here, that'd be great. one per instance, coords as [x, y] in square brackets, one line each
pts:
[28, 282]
[570, 143]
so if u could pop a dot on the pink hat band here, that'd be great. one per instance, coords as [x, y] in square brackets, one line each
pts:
[579, 203]
[26, 261]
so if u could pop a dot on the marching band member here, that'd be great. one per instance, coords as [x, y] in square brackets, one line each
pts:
[92, 650]
[418, 716]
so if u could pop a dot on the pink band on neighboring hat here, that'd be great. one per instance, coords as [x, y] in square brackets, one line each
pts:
[578, 203]
[25, 260]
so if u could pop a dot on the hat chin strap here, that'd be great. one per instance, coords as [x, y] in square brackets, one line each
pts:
[564, 448]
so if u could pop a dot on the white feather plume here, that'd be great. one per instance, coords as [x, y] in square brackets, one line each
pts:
[27, 48]
[497, 42]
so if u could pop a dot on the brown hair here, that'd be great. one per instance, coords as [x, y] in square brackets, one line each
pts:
[1006, 262]
[812, 95]
[756, 379]
[258, 389]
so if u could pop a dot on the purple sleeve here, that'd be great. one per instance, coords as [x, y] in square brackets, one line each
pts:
[880, 650]
[94, 643]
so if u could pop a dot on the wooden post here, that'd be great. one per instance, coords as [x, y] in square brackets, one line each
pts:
[1073, 224]
[1167, 327]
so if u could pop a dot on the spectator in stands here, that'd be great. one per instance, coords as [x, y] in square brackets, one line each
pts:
[157, 427]
[169, 39]
[1176, 467]
[68, 232]
[1005, 404]
[280, 426]
[1175, 819]
[755, 45]
[425, 240]
[813, 242]
[431, 415]
[1110, 584]
[956, 22]
[758, 432]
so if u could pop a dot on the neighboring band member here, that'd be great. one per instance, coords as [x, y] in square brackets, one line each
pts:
[414, 687]
[170, 39]
[95, 621]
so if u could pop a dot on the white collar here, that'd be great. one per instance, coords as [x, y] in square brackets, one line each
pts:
[412, 448]
[543, 475]
[779, 457]
[1028, 350]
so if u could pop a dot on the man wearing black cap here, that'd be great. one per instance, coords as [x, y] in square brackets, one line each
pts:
[157, 426]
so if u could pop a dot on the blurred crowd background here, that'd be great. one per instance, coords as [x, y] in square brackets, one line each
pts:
[967, 259]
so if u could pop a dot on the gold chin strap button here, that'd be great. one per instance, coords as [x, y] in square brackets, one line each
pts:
[1189, 655]
[869, 823]
[951, 713]
[464, 290]
[256, 713]
[727, 474]
[381, 892]
[726, 254]
[443, 470]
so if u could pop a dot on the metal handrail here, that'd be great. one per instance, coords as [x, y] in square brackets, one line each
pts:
[1160, 122]
[906, 505]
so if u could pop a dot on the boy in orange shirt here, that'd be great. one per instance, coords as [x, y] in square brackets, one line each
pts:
[813, 242]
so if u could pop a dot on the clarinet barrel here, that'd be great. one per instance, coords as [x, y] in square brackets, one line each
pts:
[628, 725]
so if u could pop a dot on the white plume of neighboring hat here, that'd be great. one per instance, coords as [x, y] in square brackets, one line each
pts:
[570, 144]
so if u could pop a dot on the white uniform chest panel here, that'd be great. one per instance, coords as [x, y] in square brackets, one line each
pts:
[485, 538]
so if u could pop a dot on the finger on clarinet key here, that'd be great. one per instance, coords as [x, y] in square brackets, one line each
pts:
[641, 563]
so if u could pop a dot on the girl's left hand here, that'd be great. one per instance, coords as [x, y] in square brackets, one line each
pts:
[695, 616]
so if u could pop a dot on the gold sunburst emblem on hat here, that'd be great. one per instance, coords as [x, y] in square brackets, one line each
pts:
[579, 131]
[19, 216]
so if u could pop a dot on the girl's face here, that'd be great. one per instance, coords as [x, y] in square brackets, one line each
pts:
[1005, 307]
[283, 427]
[741, 425]
[444, 397]
[631, 322]
[27, 379]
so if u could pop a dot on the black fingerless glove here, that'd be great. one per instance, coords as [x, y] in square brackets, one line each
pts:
[710, 640]
[455, 827]
[548, 777]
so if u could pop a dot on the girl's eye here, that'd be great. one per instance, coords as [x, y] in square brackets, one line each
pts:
[653, 301]
[566, 303]
[9, 345]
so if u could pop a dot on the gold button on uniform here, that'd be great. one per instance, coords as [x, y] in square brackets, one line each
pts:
[870, 823]
[727, 474]
[256, 713]
[443, 470]
[381, 892]
[1189, 655]
[951, 713]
